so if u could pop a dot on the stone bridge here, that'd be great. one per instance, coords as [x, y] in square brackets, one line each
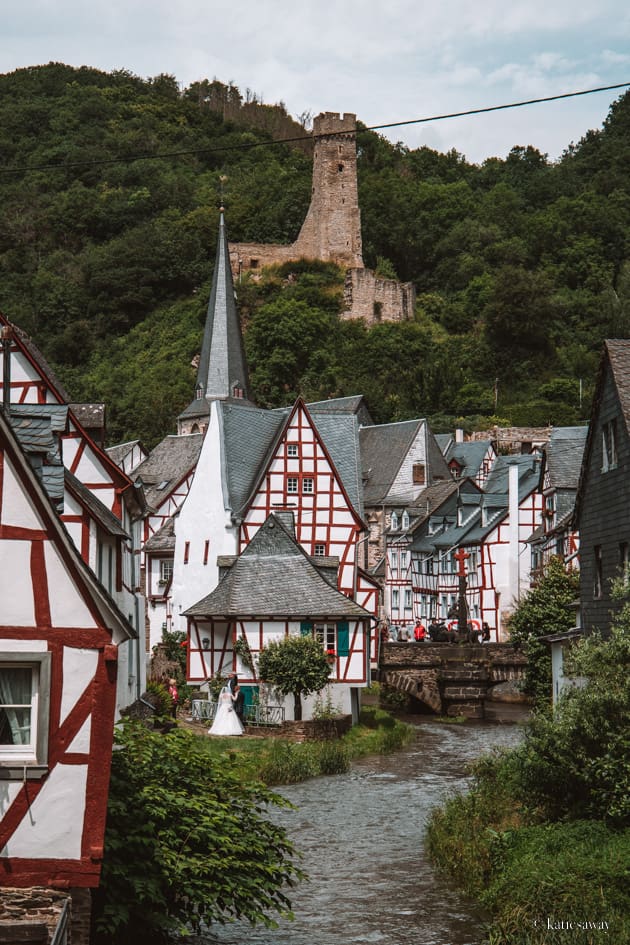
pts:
[473, 680]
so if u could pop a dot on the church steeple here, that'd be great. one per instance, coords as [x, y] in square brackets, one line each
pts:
[222, 373]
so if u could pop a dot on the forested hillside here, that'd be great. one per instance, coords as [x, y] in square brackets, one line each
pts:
[522, 267]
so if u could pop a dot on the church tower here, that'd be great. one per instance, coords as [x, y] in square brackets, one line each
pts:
[222, 373]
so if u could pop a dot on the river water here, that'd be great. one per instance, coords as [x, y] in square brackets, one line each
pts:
[361, 836]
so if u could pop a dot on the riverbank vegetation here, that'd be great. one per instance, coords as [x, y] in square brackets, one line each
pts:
[188, 838]
[543, 836]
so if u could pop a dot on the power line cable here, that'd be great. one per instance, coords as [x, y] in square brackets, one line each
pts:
[166, 155]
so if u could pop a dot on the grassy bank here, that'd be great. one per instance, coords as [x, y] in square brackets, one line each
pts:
[282, 761]
[563, 882]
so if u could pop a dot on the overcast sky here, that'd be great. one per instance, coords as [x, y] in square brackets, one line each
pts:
[386, 61]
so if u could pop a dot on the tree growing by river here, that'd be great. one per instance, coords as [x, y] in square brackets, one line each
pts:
[295, 666]
[186, 843]
[549, 607]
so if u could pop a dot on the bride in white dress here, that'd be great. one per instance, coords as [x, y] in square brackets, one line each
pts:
[226, 721]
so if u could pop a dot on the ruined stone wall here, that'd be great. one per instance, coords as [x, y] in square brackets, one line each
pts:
[373, 299]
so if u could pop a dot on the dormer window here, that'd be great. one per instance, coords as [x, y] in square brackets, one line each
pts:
[394, 522]
[405, 520]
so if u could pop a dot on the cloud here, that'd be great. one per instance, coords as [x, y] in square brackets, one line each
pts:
[385, 62]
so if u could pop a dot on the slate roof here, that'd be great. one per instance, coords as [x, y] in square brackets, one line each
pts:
[353, 404]
[250, 435]
[619, 356]
[274, 577]
[434, 496]
[383, 448]
[468, 454]
[563, 456]
[497, 483]
[37, 427]
[444, 440]
[222, 363]
[168, 465]
[104, 516]
[163, 539]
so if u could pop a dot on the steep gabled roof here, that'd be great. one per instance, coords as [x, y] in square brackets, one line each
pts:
[353, 404]
[563, 456]
[164, 538]
[434, 496]
[37, 427]
[274, 577]
[168, 465]
[35, 356]
[79, 571]
[106, 519]
[222, 365]
[497, 484]
[469, 455]
[383, 449]
[251, 436]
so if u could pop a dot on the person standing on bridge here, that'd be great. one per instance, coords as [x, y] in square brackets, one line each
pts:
[419, 632]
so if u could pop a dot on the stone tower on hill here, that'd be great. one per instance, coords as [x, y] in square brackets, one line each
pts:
[332, 229]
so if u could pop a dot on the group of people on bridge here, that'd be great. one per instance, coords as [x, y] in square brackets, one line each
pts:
[437, 632]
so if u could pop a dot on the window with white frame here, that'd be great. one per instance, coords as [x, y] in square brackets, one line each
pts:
[166, 570]
[404, 559]
[292, 449]
[405, 520]
[24, 700]
[408, 601]
[395, 599]
[292, 484]
[325, 633]
[319, 550]
[394, 522]
[308, 485]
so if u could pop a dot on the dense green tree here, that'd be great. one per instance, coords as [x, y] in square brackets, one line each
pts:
[297, 666]
[187, 842]
[549, 607]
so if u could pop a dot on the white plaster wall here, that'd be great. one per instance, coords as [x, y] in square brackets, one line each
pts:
[79, 666]
[17, 508]
[16, 587]
[403, 487]
[81, 742]
[202, 517]
[67, 607]
[54, 827]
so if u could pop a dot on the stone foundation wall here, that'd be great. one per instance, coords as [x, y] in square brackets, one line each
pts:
[32, 915]
[318, 729]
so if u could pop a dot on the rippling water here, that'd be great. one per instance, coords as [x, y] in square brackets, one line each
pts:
[361, 835]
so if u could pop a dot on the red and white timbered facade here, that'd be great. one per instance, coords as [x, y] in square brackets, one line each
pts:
[59, 636]
[302, 478]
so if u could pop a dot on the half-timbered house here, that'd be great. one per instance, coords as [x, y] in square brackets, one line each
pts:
[60, 634]
[560, 465]
[271, 590]
[101, 506]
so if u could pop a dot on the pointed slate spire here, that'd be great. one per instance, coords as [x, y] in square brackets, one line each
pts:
[222, 367]
[222, 371]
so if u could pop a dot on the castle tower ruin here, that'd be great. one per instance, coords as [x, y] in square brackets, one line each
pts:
[332, 229]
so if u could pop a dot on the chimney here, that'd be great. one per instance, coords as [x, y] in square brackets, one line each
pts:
[459, 435]
[513, 544]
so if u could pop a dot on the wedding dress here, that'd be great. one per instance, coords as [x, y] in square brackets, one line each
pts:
[226, 721]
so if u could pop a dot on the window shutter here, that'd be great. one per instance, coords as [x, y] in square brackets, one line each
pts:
[306, 628]
[343, 638]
